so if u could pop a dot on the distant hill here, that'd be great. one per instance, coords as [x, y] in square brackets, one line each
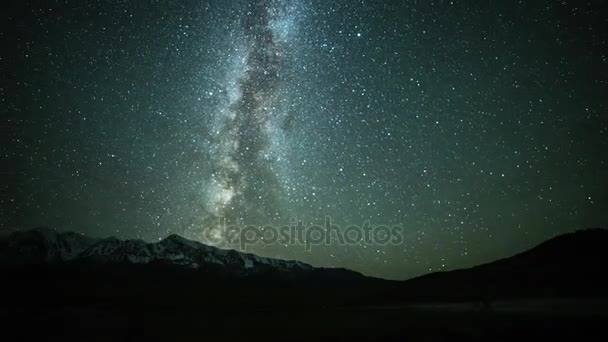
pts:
[569, 265]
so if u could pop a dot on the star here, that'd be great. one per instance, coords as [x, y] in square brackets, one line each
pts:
[145, 122]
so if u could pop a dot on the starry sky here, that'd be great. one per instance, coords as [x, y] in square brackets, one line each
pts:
[479, 128]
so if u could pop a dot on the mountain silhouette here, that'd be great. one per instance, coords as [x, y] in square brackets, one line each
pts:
[47, 247]
[569, 265]
[72, 287]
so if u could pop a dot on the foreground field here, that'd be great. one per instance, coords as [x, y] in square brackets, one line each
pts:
[580, 320]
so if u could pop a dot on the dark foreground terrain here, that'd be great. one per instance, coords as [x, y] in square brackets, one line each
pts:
[91, 323]
[62, 287]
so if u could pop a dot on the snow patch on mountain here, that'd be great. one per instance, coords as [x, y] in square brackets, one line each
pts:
[50, 246]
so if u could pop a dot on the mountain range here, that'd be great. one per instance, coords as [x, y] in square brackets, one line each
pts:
[67, 286]
[47, 246]
[570, 265]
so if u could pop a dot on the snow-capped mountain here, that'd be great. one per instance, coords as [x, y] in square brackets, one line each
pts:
[43, 245]
[49, 246]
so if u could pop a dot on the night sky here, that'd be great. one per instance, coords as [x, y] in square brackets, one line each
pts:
[479, 129]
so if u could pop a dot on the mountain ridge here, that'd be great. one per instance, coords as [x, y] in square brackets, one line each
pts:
[566, 265]
[570, 264]
[45, 245]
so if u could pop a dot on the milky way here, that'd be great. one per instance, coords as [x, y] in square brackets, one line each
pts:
[479, 128]
[243, 186]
